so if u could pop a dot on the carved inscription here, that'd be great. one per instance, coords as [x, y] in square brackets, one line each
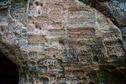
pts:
[79, 16]
[57, 32]
[56, 13]
[81, 33]
[36, 39]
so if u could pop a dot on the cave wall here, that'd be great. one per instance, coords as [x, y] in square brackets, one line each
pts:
[61, 41]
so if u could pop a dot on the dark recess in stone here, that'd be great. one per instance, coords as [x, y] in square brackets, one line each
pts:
[8, 71]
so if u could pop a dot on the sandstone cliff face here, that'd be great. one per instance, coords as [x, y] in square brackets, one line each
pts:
[58, 41]
[114, 9]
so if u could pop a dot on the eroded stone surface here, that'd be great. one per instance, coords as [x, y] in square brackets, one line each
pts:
[57, 41]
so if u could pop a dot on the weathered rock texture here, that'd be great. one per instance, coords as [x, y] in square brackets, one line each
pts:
[114, 9]
[58, 41]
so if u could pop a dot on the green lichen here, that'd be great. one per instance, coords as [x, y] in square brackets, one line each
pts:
[30, 72]
[19, 3]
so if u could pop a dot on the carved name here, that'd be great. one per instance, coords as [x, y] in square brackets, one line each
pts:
[36, 39]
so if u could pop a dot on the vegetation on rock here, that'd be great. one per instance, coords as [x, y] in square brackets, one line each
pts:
[19, 3]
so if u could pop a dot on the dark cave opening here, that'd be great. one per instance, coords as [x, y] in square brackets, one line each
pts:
[8, 71]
